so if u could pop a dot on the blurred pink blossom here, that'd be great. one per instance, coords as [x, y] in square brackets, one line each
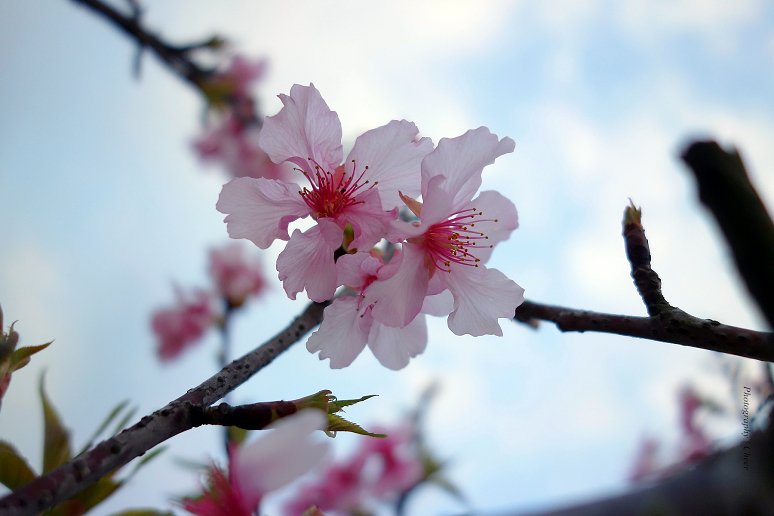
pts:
[267, 464]
[236, 278]
[179, 327]
[646, 463]
[381, 469]
[232, 143]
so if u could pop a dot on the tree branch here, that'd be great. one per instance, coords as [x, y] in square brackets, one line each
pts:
[734, 482]
[725, 189]
[666, 323]
[673, 326]
[178, 416]
[174, 57]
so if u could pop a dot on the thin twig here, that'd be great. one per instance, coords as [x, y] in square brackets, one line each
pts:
[174, 57]
[674, 326]
[182, 414]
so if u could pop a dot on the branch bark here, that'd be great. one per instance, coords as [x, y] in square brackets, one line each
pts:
[725, 189]
[673, 326]
[178, 416]
[734, 482]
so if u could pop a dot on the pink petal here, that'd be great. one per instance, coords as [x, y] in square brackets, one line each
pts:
[481, 296]
[304, 128]
[353, 270]
[439, 304]
[493, 206]
[260, 209]
[393, 158]
[343, 333]
[398, 298]
[393, 347]
[281, 455]
[307, 261]
[461, 160]
[369, 221]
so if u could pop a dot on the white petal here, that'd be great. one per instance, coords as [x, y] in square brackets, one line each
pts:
[343, 332]
[393, 347]
[260, 209]
[282, 455]
[481, 296]
[393, 159]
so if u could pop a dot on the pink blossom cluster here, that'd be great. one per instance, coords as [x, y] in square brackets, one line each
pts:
[235, 278]
[354, 202]
[382, 469]
[265, 465]
[694, 443]
[231, 135]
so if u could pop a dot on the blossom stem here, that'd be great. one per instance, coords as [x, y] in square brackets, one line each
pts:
[178, 416]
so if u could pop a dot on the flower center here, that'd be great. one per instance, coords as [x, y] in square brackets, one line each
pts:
[451, 241]
[332, 193]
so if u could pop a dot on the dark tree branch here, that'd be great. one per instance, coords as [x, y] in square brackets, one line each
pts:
[182, 414]
[734, 482]
[673, 326]
[638, 252]
[726, 190]
[175, 58]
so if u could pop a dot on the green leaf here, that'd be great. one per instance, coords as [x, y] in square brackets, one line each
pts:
[143, 512]
[339, 424]
[97, 492]
[117, 410]
[56, 443]
[67, 508]
[21, 357]
[14, 470]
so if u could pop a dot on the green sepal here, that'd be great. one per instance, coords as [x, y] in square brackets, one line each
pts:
[339, 424]
[14, 470]
[56, 442]
[335, 405]
[21, 357]
[632, 214]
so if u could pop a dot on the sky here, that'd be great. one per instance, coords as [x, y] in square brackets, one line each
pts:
[105, 208]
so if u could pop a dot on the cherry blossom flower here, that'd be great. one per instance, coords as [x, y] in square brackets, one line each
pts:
[235, 278]
[362, 192]
[267, 464]
[448, 247]
[179, 327]
[381, 469]
[348, 324]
